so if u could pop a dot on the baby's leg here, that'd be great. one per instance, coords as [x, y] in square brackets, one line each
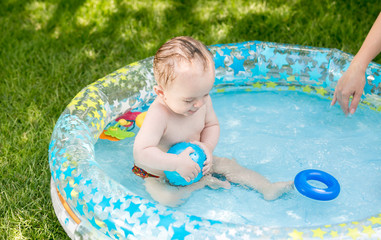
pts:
[238, 174]
[173, 196]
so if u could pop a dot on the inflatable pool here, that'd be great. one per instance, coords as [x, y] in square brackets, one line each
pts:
[91, 204]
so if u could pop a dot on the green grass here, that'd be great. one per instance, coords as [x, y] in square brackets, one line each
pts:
[50, 50]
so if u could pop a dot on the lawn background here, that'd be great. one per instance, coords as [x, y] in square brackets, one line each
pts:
[50, 50]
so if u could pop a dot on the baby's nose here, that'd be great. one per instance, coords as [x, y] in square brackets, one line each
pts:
[199, 103]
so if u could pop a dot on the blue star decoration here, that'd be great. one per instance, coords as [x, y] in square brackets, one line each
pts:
[88, 182]
[226, 51]
[283, 75]
[180, 232]
[219, 61]
[80, 195]
[110, 224]
[105, 203]
[280, 60]
[68, 171]
[53, 152]
[94, 191]
[51, 144]
[80, 209]
[58, 173]
[165, 221]
[90, 206]
[244, 51]
[237, 65]
[126, 232]
[261, 69]
[143, 219]
[68, 190]
[117, 204]
[298, 67]
[78, 179]
[315, 74]
[133, 208]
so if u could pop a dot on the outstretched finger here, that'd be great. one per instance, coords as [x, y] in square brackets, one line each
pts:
[355, 101]
[334, 99]
[344, 104]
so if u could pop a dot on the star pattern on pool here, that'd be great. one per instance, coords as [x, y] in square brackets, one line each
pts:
[119, 214]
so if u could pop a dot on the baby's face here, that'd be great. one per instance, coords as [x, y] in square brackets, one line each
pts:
[189, 90]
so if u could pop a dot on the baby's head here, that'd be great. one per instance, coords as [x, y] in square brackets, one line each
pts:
[176, 54]
[184, 72]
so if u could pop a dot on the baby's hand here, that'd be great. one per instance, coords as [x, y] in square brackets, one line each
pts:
[209, 157]
[187, 168]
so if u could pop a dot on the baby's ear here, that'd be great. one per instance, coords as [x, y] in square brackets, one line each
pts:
[159, 91]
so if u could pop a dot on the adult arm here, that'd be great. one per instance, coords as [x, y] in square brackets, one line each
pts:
[353, 80]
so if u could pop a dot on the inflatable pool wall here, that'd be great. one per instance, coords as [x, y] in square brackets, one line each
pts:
[91, 205]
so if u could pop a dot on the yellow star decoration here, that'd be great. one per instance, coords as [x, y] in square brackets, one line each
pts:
[307, 89]
[291, 79]
[104, 113]
[368, 230]
[105, 84]
[93, 95]
[296, 235]
[342, 224]
[82, 108]
[334, 234]
[122, 70]
[375, 220]
[319, 233]
[92, 88]
[73, 102]
[96, 114]
[353, 233]
[80, 94]
[91, 103]
[257, 85]
[321, 91]
[291, 88]
[271, 85]
[248, 90]
[134, 64]
[221, 90]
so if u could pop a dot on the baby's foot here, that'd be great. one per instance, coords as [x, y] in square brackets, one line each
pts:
[277, 189]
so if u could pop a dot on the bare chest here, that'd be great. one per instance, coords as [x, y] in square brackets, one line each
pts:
[183, 129]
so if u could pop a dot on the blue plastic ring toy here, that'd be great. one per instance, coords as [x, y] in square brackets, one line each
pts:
[322, 194]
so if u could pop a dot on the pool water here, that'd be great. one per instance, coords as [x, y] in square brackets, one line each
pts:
[278, 134]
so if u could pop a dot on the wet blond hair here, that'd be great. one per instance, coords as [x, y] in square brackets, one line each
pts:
[176, 50]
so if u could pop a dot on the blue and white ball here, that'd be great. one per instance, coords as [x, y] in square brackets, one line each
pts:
[198, 156]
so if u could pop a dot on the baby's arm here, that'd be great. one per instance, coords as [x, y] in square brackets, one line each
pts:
[147, 153]
[209, 135]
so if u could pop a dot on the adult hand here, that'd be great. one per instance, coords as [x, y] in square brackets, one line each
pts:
[353, 80]
[350, 84]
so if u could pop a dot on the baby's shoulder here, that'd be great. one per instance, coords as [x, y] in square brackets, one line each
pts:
[157, 110]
